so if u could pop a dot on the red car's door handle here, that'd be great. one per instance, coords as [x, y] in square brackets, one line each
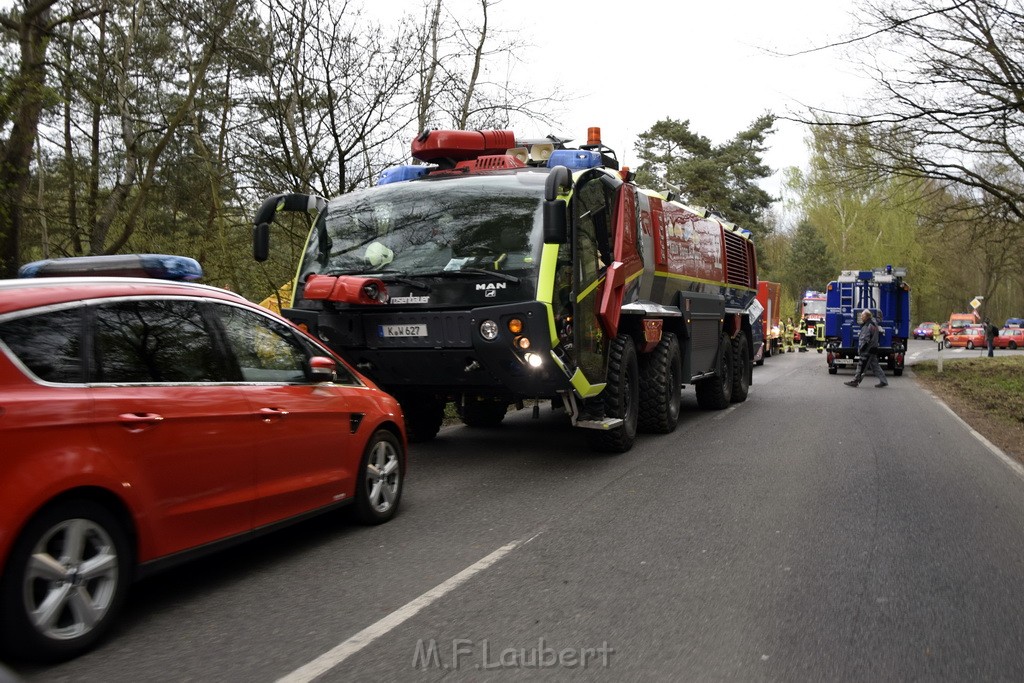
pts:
[136, 422]
[269, 414]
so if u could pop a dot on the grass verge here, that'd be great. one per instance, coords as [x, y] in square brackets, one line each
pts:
[987, 393]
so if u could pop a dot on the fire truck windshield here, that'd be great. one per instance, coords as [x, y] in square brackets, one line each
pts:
[814, 307]
[432, 228]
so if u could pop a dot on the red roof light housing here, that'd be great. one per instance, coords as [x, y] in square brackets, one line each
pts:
[346, 289]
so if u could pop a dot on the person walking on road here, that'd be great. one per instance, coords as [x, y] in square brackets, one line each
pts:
[990, 336]
[867, 346]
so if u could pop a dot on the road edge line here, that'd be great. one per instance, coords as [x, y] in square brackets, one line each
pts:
[351, 646]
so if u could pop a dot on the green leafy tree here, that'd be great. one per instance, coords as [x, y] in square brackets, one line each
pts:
[810, 265]
[721, 177]
[865, 221]
[24, 95]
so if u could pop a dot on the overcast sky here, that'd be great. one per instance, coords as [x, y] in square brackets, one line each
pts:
[629, 64]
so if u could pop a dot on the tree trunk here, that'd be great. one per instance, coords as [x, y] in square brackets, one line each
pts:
[28, 92]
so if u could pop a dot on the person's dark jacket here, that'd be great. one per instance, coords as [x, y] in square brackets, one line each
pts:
[867, 341]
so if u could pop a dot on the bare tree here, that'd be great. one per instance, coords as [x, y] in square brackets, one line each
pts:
[950, 100]
[332, 101]
[465, 72]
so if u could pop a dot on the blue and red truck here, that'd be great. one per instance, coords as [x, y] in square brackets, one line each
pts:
[884, 292]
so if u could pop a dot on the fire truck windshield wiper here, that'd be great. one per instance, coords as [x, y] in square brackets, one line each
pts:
[475, 272]
[415, 284]
[384, 275]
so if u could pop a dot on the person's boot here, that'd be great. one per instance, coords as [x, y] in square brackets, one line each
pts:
[852, 383]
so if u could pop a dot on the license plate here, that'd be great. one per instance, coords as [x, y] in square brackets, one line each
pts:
[419, 330]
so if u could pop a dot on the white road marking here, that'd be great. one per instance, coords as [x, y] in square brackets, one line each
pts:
[346, 649]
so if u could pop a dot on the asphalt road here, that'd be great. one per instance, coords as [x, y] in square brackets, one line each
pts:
[815, 532]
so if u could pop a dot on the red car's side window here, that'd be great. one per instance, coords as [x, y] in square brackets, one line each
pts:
[48, 344]
[154, 341]
[264, 351]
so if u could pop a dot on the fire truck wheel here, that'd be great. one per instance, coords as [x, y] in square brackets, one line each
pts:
[423, 416]
[381, 474]
[970, 346]
[661, 381]
[715, 393]
[621, 398]
[741, 368]
[477, 412]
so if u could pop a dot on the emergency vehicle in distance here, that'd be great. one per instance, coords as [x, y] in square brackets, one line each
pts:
[882, 291]
[501, 271]
[769, 295]
[812, 320]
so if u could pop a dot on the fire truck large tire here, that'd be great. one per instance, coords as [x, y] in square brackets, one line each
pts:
[423, 416]
[715, 393]
[741, 368]
[661, 382]
[621, 398]
[476, 412]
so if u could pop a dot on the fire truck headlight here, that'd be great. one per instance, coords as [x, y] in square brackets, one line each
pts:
[522, 343]
[489, 330]
[534, 360]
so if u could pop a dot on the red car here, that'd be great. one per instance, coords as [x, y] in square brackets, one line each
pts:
[1009, 338]
[146, 421]
[966, 336]
[924, 330]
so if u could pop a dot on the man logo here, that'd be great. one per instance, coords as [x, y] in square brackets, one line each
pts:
[491, 286]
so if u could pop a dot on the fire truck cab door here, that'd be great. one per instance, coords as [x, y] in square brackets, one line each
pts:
[592, 205]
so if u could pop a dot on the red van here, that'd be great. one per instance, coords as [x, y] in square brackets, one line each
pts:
[960, 320]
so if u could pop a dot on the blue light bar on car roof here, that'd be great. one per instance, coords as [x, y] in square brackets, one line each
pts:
[575, 159]
[161, 266]
[398, 174]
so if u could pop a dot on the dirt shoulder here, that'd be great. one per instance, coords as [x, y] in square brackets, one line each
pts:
[988, 396]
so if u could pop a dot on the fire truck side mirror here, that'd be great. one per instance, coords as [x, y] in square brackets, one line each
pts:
[261, 241]
[556, 229]
[559, 182]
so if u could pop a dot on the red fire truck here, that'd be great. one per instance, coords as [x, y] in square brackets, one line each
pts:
[499, 271]
[769, 295]
[812, 321]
